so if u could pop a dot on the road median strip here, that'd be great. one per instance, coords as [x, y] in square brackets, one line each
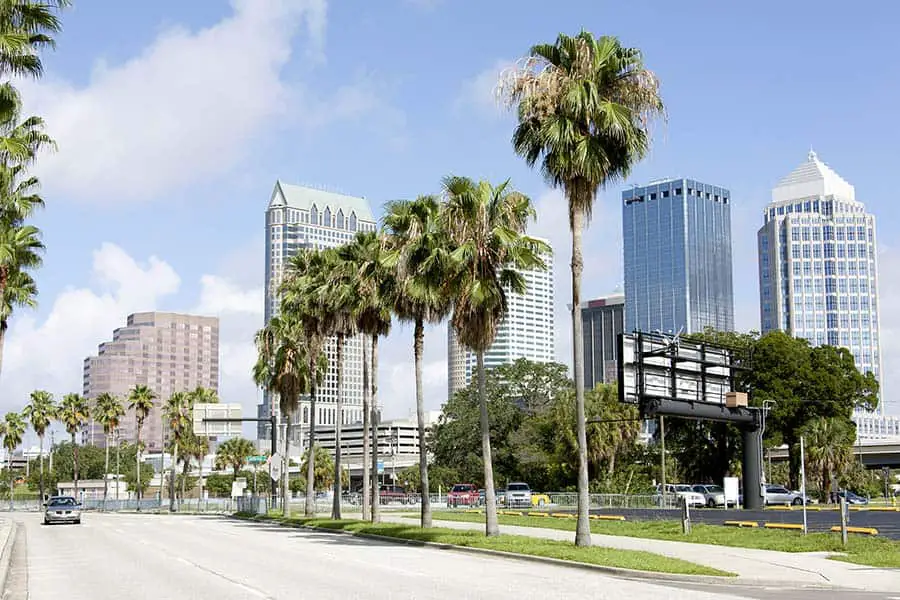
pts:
[631, 563]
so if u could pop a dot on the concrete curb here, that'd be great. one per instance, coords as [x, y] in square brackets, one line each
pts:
[7, 538]
[615, 571]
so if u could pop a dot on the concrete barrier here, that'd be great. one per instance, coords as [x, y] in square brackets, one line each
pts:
[538, 514]
[794, 526]
[741, 523]
[863, 530]
[608, 517]
[564, 516]
[7, 539]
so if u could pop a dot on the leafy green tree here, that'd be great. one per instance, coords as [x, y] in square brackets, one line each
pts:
[140, 400]
[323, 467]
[486, 225]
[419, 253]
[108, 411]
[219, 484]
[40, 412]
[233, 453]
[176, 414]
[21, 249]
[73, 412]
[829, 450]
[584, 106]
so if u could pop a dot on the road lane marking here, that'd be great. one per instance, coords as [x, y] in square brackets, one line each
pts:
[249, 589]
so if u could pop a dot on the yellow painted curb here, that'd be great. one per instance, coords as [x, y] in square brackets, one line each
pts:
[783, 526]
[741, 523]
[512, 513]
[538, 514]
[779, 507]
[563, 516]
[473, 510]
[884, 508]
[865, 530]
[608, 517]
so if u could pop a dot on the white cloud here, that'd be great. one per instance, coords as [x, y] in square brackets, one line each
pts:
[397, 386]
[183, 109]
[477, 93]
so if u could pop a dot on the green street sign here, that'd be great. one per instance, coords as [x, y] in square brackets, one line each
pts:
[256, 459]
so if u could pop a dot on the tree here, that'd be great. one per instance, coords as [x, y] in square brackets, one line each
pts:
[233, 453]
[282, 367]
[486, 227]
[13, 430]
[175, 412]
[372, 311]
[74, 413]
[40, 412]
[199, 445]
[140, 400]
[419, 253]
[829, 450]
[26, 28]
[323, 468]
[108, 411]
[20, 249]
[584, 108]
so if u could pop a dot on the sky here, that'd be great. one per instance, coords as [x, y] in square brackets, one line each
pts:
[174, 119]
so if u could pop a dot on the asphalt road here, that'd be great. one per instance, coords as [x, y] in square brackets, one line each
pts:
[887, 523]
[183, 557]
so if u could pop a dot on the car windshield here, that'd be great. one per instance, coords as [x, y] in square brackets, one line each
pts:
[62, 502]
[461, 488]
[714, 489]
[517, 487]
[683, 488]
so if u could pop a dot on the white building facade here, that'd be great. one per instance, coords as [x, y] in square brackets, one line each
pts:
[300, 218]
[818, 265]
[527, 331]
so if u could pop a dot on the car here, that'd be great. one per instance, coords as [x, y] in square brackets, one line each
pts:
[539, 499]
[777, 494]
[463, 494]
[684, 493]
[714, 494]
[852, 498]
[518, 494]
[62, 509]
[392, 493]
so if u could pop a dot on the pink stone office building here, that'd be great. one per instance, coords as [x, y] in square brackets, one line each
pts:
[167, 352]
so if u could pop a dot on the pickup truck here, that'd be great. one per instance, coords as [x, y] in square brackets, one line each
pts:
[463, 494]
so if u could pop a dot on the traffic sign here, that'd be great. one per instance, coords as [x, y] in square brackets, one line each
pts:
[380, 467]
[257, 460]
[275, 467]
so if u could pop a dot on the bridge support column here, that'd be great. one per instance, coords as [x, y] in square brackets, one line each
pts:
[751, 468]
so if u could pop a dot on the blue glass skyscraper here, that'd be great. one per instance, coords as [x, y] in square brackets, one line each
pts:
[677, 245]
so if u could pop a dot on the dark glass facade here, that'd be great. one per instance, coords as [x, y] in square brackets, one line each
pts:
[603, 321]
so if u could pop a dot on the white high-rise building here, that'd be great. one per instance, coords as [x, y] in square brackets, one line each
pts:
[297, 218]
[527, 331]
[818, 265]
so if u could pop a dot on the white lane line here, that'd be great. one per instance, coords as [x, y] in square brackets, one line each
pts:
[250, 590]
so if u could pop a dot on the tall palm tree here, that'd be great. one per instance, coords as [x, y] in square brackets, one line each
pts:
[200, 444]
[233, 453]
[26, 28]
[108, 412]
[302, 272]
[282, 367]
[13, 430]
[585, 106]
[140, 400]
[418, 249]
[20, 249]
[372, 311]
[486, 225]
[73, 413]
[40, 412]
[175, 412]
[21, 139]
[829, 449]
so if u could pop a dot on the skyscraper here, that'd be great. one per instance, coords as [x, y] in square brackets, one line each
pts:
[305, 218]
[818, 265]
[167, 352]
[677, 243]
[527, 331]
[604, 320]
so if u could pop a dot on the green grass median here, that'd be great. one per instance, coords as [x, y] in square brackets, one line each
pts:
[517, 544]
[871, 551]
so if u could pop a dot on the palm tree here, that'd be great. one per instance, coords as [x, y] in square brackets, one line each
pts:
[419, 253]
[20, 249]
[40, 412]
[199, 447]
[233, 453]
[584, 107]
[282, 367]
[73, 413]
[829, 449]
[20, 142]
[486, 226]
[108, 411]
[372, 312]
[175, 412]
[140, 400]
[302, 272]
[26, 28]
[13, 430]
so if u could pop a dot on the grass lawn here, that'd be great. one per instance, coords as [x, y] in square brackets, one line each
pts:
[608, 557]
[863, 550]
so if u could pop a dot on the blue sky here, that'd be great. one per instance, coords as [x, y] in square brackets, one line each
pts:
[175, 118]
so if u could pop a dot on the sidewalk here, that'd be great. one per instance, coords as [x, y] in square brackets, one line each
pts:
[751, 565]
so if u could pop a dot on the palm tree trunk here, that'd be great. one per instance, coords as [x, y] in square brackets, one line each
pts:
[311, 460]
[338, 422]
[12, 479]
[106, 473]
[285, 464]
[418, 348]
[172, 477]
[118, 469]
[75, 464]
[367, 394]
[376, 489]
[491, 527]
[184, 476]
[137, 467]
[2, 341]
[583, 527]
[41, 461]
[200, 484]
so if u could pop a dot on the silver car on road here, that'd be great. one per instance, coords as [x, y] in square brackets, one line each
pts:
[62, 509]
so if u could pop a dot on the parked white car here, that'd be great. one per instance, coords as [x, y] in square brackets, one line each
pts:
[714, 494]
[684, 493]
